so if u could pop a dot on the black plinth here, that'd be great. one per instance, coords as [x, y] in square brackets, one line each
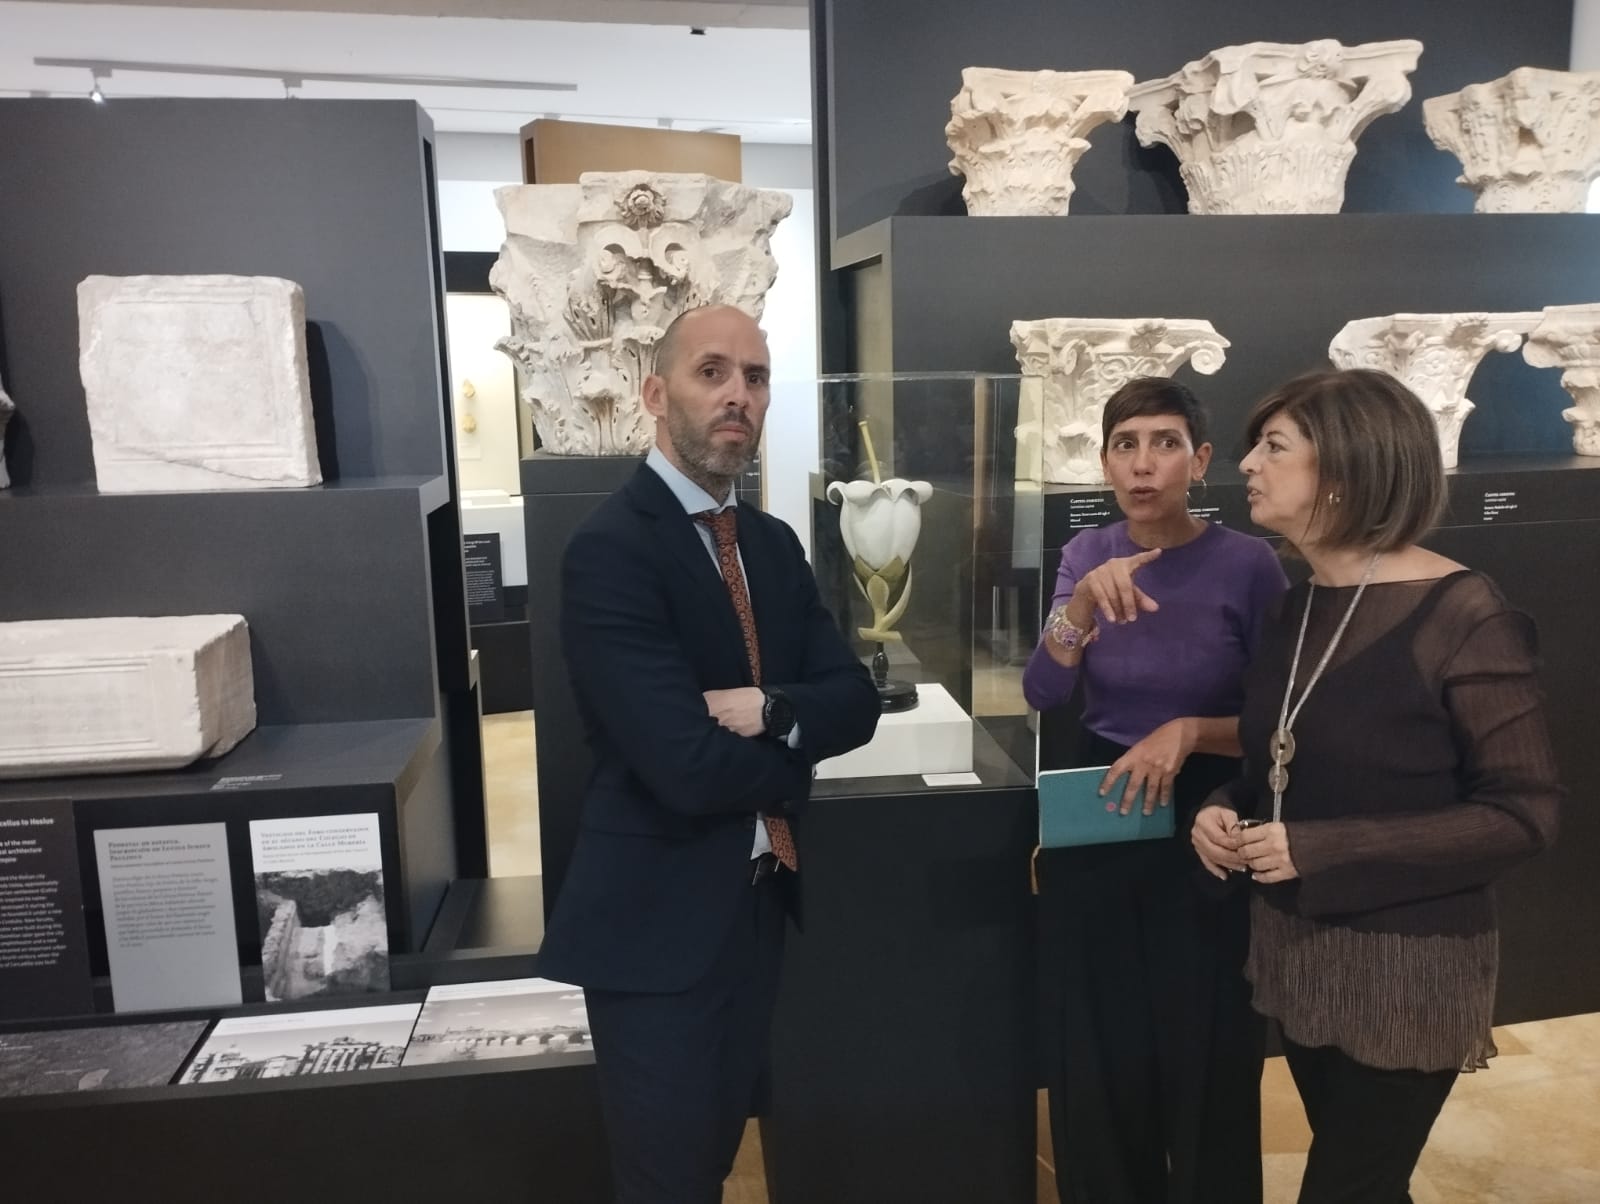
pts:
[505, 1129]
[903, 1045]
[558, 493]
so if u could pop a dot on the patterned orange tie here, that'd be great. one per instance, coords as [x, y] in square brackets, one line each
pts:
[724, 530]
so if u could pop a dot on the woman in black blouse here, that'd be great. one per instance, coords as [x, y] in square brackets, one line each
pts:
[1397, 762]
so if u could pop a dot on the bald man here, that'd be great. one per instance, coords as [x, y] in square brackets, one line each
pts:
[711, 680]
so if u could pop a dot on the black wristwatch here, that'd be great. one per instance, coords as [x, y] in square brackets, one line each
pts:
[777, 714]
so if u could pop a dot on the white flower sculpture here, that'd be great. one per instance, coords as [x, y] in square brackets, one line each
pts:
[880, 522]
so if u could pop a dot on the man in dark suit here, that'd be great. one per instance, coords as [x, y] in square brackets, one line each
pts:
[711, 680]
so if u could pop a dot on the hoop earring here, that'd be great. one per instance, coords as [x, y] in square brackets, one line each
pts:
[1204, 489]
[1334, 499]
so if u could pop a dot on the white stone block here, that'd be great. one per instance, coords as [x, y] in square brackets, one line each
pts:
[112, 695]
[935, 737]
[196, 382]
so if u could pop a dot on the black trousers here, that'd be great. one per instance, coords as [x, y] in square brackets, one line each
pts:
[1152, 1053]
[680, 1073]
[1368, 1126]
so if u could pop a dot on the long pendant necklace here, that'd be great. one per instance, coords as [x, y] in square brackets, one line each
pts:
[1281, 744]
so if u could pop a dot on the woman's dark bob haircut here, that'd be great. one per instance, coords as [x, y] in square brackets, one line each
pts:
[1144, 396]
[1381, 475]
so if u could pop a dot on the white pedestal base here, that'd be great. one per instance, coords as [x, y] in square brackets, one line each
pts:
[936, 737]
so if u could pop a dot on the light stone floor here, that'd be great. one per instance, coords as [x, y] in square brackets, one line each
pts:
[1526, 1131]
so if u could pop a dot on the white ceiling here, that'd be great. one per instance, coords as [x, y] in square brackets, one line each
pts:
[754, 82]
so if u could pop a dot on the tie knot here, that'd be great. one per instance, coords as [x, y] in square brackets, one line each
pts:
[723, 523]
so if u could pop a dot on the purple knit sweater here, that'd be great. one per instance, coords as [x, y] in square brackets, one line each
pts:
[1189, 657]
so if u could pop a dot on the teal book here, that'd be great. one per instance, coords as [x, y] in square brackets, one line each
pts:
[1072, 811]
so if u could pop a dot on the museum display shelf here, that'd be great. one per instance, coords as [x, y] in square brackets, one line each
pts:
[528, 1126]
[391, 768]
[931, 294]
[354, 589]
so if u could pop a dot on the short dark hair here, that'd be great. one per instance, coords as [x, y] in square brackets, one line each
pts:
[1377, 454]
[1144, 396]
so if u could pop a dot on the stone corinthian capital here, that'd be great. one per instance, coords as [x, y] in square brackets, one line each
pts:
[1568, 337]
[1434, 355]
[1271, 127]
[1017, 135]
[594, 272]
[1528, 142]
[1072, 366]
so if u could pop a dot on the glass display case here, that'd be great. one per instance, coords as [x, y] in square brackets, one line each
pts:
[925, 538]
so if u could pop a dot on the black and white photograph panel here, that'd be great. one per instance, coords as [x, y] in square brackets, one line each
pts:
[331, 1041]
[320, 905]
[517, 1018]
[53, 1061]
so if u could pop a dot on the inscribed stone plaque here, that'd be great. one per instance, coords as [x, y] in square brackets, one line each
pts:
[196, 382]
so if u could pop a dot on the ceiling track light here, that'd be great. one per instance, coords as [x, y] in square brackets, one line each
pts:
[95, 94]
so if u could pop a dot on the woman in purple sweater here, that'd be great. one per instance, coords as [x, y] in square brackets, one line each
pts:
[1153, 1053]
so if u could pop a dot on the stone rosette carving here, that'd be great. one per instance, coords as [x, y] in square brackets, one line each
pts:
[7, 408]
[1434, 355]
[1017, 135]
[880, 522]
[1568, 337]
[1528, 142]
[1072, 366]
[1271, 127]
[594, 272]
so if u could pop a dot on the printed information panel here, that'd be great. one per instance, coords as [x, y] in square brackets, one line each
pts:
[169, 916]
[44, 951]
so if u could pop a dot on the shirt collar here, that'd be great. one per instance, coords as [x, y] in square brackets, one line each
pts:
[691, 497]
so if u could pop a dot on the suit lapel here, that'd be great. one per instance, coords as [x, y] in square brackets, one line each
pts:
[678, 533]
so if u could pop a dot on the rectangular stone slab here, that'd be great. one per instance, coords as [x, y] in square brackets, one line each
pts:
[114, 695]
[196, 382]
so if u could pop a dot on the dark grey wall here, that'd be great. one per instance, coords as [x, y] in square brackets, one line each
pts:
[324, 193]
[891, 67]
[1278, 288]
[332, 582]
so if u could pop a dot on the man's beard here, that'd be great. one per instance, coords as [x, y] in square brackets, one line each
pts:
[700, 454]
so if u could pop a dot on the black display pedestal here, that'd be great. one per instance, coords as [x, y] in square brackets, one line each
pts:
[903, 1044]
[499, 1129]
[558, 493]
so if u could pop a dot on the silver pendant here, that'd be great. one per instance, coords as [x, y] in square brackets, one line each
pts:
[1280, 746]
[1277, 779]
